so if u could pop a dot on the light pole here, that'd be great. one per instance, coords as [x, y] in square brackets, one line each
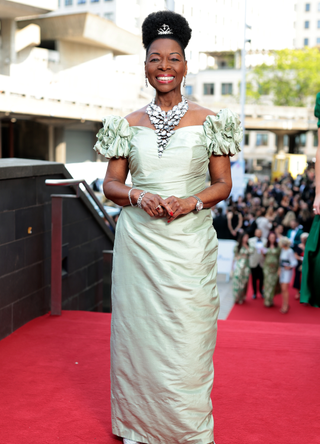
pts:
[243, 82]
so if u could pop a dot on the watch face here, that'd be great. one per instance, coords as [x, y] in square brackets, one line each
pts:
[199, 206]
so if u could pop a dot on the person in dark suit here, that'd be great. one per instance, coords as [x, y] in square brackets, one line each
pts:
[220, 224]
[256, 260]
[250, 225]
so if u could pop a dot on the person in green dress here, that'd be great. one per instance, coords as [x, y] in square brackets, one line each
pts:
[165, 301]
[310, 280]
[241, 268]
[270, 268]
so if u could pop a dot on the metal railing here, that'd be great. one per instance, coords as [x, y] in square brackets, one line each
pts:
[56, 234]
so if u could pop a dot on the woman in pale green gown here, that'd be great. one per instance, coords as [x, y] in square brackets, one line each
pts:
[164, 297]
[242, 270]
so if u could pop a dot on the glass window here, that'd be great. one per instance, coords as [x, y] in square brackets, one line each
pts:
[189, 90]
[68, 2]
[109, 16]
[319, 6]
[262, 140]
[303, 139]
[315, 138]
[246, 139]
[307, 7]
[318, 24]
[226, 89]
[306, 24]
[208, 89]
[318, 40]
[95, 1]
[306, 42]
[81, 2]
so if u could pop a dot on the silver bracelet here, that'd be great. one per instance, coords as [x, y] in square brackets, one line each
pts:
[130, 197]
[140, 199]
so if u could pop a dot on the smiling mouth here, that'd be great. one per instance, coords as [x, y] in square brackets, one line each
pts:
[165, 79]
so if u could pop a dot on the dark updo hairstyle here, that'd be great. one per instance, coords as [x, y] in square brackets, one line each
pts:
[176, 24]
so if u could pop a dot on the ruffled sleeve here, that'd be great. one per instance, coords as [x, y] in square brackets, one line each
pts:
[114, 137]
[223, 133]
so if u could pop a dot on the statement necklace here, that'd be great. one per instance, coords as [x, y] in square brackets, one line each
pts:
[165, 122]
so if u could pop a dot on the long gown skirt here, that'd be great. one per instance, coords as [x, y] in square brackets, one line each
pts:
[164, 324]
[310, 281]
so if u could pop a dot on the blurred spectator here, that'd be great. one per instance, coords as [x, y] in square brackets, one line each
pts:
[287, 263]
[234, 221]
[270, 214]
[241, 268]
[257, 243]
[279, 232]
[305, 217]
[220, 224]
[279, 216]
[294, 233]
[249, 224]
[290, 216]
[263, 223]
[277, 193]
[270, 269]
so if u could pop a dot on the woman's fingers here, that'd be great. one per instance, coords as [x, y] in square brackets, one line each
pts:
[155, 206]
[177, 208]
[164, 204]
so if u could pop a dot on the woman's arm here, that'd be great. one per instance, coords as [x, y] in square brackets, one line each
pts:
[115, 189]
[316, 203]
[240, 222]
[221, 183]
[229, 220]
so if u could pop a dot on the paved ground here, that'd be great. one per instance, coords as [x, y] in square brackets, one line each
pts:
[225, 291]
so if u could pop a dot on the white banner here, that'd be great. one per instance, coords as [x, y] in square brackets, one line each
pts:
[237, 174]
[225, 255]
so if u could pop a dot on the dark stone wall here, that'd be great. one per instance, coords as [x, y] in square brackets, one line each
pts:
[25, 245]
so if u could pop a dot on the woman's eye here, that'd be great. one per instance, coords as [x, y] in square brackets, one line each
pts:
[175, 60]
[154, 60]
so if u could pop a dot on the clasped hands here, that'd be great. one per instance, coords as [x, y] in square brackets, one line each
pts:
[169, 208]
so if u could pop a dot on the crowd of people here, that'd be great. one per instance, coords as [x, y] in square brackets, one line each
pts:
[270, 223]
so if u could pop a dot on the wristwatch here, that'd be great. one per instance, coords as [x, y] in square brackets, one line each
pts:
[199, 204]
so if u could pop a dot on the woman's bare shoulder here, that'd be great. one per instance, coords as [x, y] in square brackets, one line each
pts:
[137, 117]
[199, 113]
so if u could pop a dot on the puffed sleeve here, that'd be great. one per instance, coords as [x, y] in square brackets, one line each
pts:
[223, 133]
[114, 137]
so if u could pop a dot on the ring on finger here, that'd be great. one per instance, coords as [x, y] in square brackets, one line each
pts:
[158, 207]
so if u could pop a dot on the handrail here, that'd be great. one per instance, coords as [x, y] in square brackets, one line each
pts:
[69, 182]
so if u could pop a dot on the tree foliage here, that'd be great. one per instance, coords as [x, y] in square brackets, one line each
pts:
[293, 79]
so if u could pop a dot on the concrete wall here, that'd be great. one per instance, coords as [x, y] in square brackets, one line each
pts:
[25, 245]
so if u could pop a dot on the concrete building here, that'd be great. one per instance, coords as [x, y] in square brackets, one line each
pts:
[59, 78]
[127, 14]
[307, 23]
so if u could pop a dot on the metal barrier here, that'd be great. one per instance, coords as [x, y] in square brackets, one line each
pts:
[56, 234]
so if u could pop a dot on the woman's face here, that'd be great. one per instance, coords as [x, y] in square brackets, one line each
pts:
[245, 239]
[272, 238]
[165, 65]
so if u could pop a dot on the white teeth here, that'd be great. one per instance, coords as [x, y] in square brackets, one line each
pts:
[165, 78]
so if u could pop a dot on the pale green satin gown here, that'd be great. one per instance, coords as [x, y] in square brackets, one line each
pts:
[164, 298]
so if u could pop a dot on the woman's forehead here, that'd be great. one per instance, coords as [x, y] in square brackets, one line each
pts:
[165, 45]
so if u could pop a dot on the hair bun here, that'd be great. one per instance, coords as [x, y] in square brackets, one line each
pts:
[165, 24]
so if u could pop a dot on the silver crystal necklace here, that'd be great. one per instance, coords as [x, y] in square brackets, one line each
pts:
[165, 122]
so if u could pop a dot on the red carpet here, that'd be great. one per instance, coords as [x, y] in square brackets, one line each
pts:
[266, 385]
[254, 310]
